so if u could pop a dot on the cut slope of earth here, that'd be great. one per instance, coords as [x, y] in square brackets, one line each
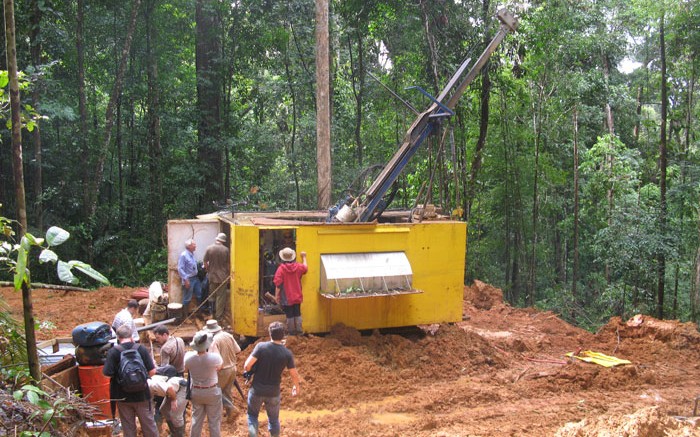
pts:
[502, 371]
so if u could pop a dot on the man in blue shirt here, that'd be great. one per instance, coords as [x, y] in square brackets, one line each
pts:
[187, 269]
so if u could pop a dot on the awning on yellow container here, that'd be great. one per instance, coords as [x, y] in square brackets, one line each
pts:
[366, 274]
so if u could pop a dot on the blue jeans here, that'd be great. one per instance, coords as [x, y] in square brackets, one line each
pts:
[272, 407]
[194, 289]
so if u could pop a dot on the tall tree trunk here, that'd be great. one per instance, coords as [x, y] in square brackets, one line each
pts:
[512, 209]
[432, 49]
[153, 135]
[208, 59]
[357, 80]
[483, 116]
[95, 182]
[18, 173]
[29, 333]
[560, 250]
[323, 113]
[15, 109]
[537, 127]
[609, 158]
[575, 270]
[293, 165]
[661, 272]
[638, 119]
[35, 52]
[508, 250]
[82, 99]
[695, 303]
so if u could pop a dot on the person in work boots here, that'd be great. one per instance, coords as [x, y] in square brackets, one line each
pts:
[217, 263]
[203, 366]
[269, 359]
[187, 269]
[288, 291]
[130, 404]
[227, 347]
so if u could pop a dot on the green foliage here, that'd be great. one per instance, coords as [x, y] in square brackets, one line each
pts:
[29, 117]
[563, 60]
[16, 257]
[13, 352]
[49, 410]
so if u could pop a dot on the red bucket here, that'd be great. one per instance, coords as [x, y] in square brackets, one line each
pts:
[95, 388]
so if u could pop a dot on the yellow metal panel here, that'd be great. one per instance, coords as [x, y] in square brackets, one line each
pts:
[436, 251]
[244, 278]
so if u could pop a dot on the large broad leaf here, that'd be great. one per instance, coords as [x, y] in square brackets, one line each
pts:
[63, 269]
[25, 242]
[56, 236]
[33, 240]
[48, 255]
[32, 397]
[88, 270]
[21, 267]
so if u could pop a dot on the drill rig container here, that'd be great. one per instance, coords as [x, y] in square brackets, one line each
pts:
[364, 275]
[367, 268]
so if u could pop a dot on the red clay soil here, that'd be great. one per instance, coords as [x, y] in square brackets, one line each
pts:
[502, 371]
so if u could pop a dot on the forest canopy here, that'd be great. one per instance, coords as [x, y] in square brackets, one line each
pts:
[573, 156]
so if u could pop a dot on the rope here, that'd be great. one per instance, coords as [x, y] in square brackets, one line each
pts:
[212, 294]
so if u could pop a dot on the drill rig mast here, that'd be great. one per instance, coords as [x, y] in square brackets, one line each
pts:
[369, 204]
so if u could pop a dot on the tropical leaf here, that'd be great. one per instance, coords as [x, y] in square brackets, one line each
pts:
[56, 236]
[88, 270]
[48, 255]
[63, 269]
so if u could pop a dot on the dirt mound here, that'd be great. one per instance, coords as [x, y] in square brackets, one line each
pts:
[483, 296]
[501, 371]
[672, 332]
[646, 422]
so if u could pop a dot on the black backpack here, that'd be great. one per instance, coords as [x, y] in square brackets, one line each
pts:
[132, 375]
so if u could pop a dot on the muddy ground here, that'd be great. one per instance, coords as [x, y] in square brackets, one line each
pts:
[502, 371]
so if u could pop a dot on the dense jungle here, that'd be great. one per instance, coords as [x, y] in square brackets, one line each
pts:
[573, 156]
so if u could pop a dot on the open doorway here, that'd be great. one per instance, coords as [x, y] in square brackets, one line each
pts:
[272, 241]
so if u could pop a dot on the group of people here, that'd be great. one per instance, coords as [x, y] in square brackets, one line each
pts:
[211, 369]
[153, 393]
[215, 264]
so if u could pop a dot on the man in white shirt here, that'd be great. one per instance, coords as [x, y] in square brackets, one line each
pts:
[126, 317]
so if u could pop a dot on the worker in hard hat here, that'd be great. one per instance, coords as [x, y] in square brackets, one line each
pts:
[288, 291]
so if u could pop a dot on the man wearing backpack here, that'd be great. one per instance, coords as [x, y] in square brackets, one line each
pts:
[129, 365]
